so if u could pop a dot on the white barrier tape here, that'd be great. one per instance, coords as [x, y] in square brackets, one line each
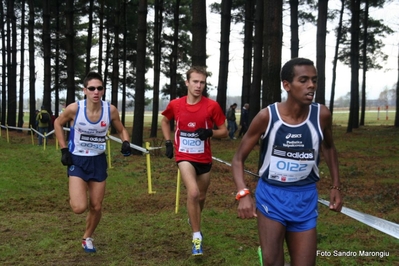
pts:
[155, 148]
[40, 134]
[131, 145]
[68, 129]
[226, 163]
[382, 225]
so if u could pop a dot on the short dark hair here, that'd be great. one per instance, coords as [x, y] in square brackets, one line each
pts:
[287, 71]
[197, 69]
[90, 76]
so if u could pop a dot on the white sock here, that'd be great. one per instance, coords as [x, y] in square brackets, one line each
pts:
[197, 235]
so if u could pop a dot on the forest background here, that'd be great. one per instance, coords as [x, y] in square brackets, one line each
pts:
[134, 44]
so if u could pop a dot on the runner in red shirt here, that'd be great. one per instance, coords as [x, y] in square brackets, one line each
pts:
[197, 119]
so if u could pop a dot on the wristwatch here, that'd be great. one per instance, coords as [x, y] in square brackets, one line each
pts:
[242, 193]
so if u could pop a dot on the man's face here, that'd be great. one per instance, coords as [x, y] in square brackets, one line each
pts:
[94, 90]
[196, 84]
[304, 84]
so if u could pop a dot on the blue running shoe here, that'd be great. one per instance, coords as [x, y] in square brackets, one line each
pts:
[88, 246]
[197, 247]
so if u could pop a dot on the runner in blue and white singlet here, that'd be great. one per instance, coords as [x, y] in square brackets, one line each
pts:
[291, 152]
[294, 132]
[84, 153]
[88, 138]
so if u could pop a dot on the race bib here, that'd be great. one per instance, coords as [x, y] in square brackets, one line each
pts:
[289, 165]
[93, 143]
[190, 143]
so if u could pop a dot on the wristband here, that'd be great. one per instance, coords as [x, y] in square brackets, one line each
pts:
[335, 187]
[242, 193]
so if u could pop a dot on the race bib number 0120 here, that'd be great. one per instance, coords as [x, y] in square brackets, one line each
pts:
[190, 143]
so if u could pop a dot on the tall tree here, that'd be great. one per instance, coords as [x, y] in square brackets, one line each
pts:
[254, 101]
[57, 60]
[158, 9]
[353, 121]
[11, 64]
[124, 62]
[224, 53]
[115, 58]
[21, 67]
[198, 30]
[108, 49]
[174, 54]
[47, 55]
[247, 57]
[334, 70]
[3, 67]
[272, 40]
[89, 36]
[176, 46]
[364, 60]
[32, 73]
[100, 39]
[70, 59]
[138, 123]
[321, 51]
[294, 28]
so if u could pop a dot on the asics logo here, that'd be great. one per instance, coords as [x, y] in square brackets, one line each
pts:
[293, 136]
[191, 124]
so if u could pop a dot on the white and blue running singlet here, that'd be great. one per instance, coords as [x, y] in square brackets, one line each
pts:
[290, 153]
[88, 138]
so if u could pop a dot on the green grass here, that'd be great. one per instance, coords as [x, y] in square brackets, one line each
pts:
[37, 226]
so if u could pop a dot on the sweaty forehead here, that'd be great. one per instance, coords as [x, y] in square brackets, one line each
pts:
[94, 82]
[197, 76]
[305, 71]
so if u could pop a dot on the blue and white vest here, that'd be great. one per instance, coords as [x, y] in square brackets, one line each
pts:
[290, 153]
[88, 138]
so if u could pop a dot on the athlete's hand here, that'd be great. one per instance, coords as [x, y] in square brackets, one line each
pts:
[169, 149]
[66, 158]
[336, 201]
[125, 150]
[204, 133]
[246, 208]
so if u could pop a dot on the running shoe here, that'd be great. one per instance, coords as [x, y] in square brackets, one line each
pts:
[88, 246]
[197, 247]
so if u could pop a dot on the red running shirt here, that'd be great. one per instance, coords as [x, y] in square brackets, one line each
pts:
[189, 118]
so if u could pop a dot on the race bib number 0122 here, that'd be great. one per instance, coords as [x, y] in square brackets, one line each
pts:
[289, 165]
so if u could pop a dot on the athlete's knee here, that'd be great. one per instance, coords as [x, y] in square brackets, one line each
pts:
[193, 195]
[78, 208]
[270, 260]
[96, 207]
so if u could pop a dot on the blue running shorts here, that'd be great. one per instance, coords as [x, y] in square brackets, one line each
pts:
[295, 207]
[89, 168]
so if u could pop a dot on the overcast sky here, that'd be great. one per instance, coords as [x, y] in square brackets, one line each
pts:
[377, 81]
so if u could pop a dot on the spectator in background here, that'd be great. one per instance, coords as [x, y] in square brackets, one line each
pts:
[51, 123]
[231, 121]
[244, 120]
[43, 120]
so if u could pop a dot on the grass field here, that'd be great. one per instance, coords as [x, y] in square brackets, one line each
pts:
[37, 226]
